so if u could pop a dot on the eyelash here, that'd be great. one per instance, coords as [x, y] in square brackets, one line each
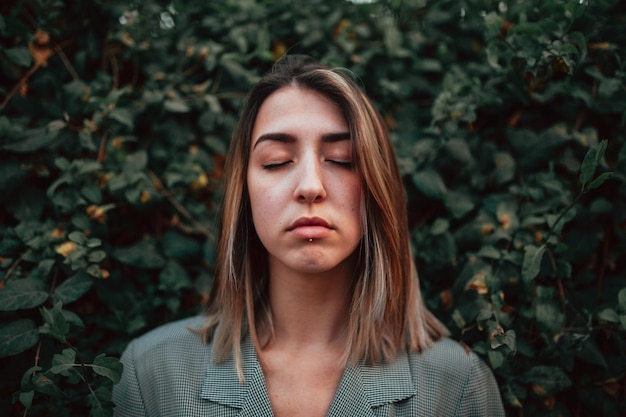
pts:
[343, 164]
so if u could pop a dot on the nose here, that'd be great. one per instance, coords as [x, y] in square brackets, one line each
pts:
[310, 187]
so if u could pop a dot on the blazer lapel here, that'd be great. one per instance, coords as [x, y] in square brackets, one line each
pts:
[364, 388]
[221, 384]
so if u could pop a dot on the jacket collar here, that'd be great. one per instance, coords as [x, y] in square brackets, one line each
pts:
[361, 389]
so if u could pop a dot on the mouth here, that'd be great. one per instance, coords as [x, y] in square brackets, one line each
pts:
[310, 228]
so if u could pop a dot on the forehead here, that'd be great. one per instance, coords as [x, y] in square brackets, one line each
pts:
[298, 108]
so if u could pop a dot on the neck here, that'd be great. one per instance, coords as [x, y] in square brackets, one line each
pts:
[309, 311]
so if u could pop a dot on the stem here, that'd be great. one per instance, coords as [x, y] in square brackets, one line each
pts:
[11, 269]
[571, 205]
[179, 207]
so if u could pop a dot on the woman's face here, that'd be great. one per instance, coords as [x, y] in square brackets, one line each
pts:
[305, 193]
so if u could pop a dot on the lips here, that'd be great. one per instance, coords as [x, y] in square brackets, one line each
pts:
[310, 228]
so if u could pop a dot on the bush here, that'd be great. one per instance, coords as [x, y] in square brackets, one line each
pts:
[508, 118]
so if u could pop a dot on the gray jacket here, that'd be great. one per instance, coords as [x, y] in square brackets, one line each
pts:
[169, 372]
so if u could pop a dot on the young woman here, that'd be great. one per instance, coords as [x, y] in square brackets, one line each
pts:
[316, 308]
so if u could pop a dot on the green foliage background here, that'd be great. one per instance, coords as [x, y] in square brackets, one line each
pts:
[509, 122]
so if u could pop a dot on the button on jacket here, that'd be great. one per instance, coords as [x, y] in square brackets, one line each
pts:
[169, 372]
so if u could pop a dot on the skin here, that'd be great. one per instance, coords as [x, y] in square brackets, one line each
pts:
[302, 186]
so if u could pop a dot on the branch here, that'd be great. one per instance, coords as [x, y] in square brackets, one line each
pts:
[179, 207]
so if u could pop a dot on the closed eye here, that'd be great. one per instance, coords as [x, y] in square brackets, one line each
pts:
[275, 165]
[343, 164]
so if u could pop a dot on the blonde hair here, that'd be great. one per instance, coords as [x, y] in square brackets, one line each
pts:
[387, 313]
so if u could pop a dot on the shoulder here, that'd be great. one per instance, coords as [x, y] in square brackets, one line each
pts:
[445, 355]
[163, 370]
[169, 337]
[447, 361]
[468, 382]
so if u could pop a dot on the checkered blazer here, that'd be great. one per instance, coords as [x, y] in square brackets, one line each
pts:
[169, 372]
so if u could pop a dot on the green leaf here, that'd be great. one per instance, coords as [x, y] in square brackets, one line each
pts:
[173, 277]
[123, 116]
[41, 383]
[35, 139]
[17, 336]
[588, 166]
[599, 180]
[11, 176]
[549, 317]
[532, 261]
[72, 289]
[21, 294]
[489, 252]
[61, 363]
[496, 358]
[26, 398]
[55, 323]
[430, 183]
[547, 380]
[77, 237]
[180, 247]
[440, 226]
[142, 254]
[19, 56]
[108, 367]
[608, 314]
[92, 193]
[176, 105]
[458, 203]
[458, 149]
[504, 171]
[97, 256]
[621, 297]
[100, 402]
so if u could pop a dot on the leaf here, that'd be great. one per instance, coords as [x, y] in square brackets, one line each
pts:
[55, 323]
[92, 193]
[142, 254]
[496, 358]
[621, 298]
[547, 379]
[458, 149]
[17, 336]
[173, 277]
[513, 394]
[21, 294]
[588, 167]
[459, 203]
[430, 183]
[123, 116]
[19, 56]
[176, 105]
[77, 237]
[505, 168]
[11, 176]
[41, 383]
[61, 363]
[180, 247]
[599, 180]
[72, 289]
[489, 252]
[108, 367]
[34, 139]
[532, 261]
[26, 398]
[549, 317]
[608, 314]
[100, 402]
[97, 256]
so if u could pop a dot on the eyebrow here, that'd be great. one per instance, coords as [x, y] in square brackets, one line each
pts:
[286, 138]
